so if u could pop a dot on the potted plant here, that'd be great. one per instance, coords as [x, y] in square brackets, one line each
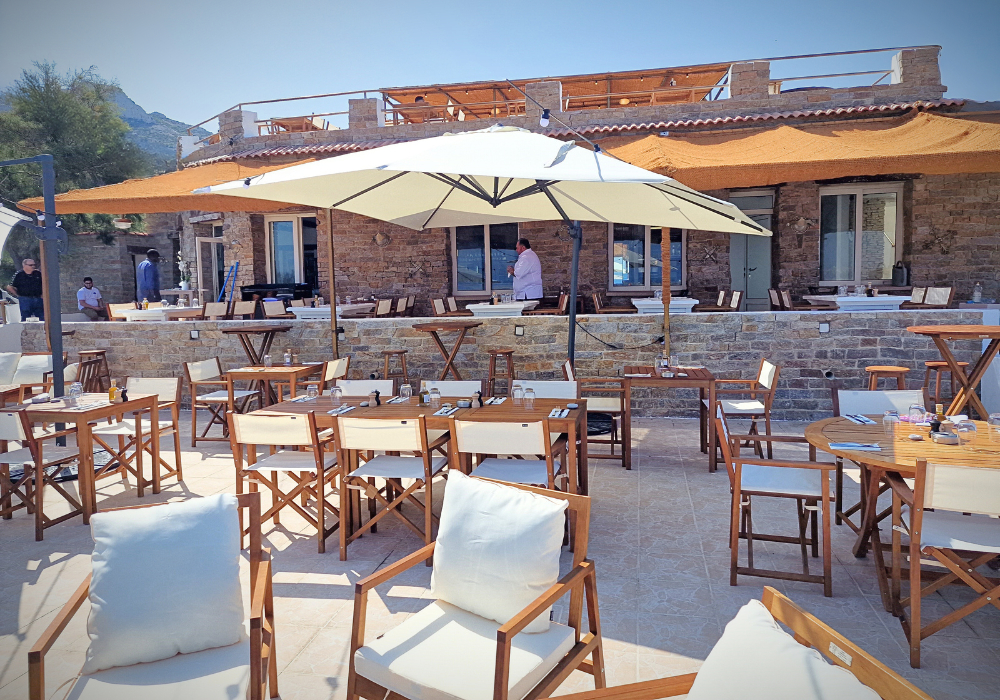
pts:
[182, 265]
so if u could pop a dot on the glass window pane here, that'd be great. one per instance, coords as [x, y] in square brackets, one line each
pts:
[628, 255]
[310, 262]
[878, 235]
[836, 233]
[676, 257]
[471, 259]
[655, 257]
[757, 201]
[283, 252]
[503, 239]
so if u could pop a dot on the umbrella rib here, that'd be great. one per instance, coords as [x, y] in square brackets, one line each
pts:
[479, 188]
[368, 189]
[509, 180]
[544, 187]
[529, 190]
[440, 204]
[703, 206]
[455, 184]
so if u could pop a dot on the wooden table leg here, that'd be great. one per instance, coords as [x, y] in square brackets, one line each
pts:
[870, 512]
[584, 478]
[967, 383]
[249, 349]
[450, 358]
[713, 459]
[573, 459]
[85, 478]
[140, 484]
[154, 441]
[627, 425]
[265, 344]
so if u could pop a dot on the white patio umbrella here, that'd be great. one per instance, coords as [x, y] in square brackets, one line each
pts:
[495, 175]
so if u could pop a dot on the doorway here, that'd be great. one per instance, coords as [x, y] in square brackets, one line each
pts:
[750, 256]
[211, 267]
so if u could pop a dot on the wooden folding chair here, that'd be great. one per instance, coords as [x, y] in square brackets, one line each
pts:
[917, 295]
[757, 404]
[400, 309]
[951, 520]
[311, 468]
[297, 303]
[601, 308]
[215, 310]
[410, 301]
[609, 400]
[453, 309]
[383, 309]
[392, 436]
[208, 373]
[244, 309]
[115, 310]
[275, 309]
[774, 297]
[560, 310]
[806, 482]
[524, 442]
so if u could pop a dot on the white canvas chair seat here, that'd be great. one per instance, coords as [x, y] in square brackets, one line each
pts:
[736, 408]
[127, 427]
[388, 467]
[518, 471]
[51, 454]
[603, 404]
[446, 653]
[291, 461]
[224, 395]
[222, 672]
[781, 481]
[949, 530]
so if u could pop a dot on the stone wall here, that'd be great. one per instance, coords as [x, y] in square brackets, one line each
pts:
[731, 345]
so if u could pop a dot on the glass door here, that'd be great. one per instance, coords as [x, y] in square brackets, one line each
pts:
[211, 272]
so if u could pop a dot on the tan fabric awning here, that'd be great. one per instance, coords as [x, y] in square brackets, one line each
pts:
[923, 143]
[169, 192]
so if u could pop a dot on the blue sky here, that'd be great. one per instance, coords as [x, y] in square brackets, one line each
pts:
[191, 59]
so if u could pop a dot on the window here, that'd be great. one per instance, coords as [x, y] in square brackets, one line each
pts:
[292, 250]
[873, 209]
[756, 204]
[475, 272]
[635, 257]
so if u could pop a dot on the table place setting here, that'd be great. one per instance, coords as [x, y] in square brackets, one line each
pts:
[446, 411]
[858, 419]
[558, 412]
[340, 411]
[494, 401]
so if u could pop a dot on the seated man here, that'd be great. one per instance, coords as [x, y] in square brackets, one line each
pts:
[89, 301]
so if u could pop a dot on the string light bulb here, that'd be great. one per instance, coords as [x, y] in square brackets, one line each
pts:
[544, 119]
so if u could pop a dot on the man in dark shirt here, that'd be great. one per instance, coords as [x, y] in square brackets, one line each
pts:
[27, 286]
[148, 277]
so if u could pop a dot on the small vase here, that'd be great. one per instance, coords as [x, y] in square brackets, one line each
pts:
[185, 285]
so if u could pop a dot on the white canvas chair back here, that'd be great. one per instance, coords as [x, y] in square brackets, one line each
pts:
[400, 306]
[550, 390]
[204, 370]
[724, 444]
[216, 309]
[336, 369]
[11, 427]
[363, 387]
[452, 304]
[877, 402]
[962, 489]
[438, 305]
[463, 389]
[383, 307]
[569, 374]
[166, 388]
[481, 437]
[917, 295]
[937, 296]
[734, 301]
[256, 429]
[274, 308]
[766, 376]
[378, 434]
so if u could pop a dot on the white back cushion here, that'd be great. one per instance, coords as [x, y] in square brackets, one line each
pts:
[451, 387]
[757, 660]
[962, 489]
[8, 365]
[766, 377]
[363, 387]
[497, 549]
[876, 402]
[166, 580]
[550, 389]
[30, 369]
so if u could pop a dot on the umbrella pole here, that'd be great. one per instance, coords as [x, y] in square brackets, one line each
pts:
[576, 233]
[333, 287]
[666, 311]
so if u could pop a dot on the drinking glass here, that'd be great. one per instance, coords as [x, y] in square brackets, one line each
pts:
[658, 294]
[916, 414]
[348, 300]
[673, 361]
[994, 427]
[337, 395]
[312, 391]
[435, 398]
[842, 290]
[966, 434]
[267, 361]
[75, 392]
[518, 394]
[529, 399]
[890, 423]
[405, 392]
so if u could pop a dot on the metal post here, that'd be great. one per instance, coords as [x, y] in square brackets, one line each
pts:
[576, 233]
[49, 245]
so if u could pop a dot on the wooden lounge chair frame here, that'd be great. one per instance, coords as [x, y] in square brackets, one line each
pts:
[721, 306]
[561, 308]
[601, 308]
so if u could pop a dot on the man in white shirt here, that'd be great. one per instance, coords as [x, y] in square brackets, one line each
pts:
[89, 300]
[527, 272]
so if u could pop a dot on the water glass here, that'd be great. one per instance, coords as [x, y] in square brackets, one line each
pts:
[916, 414]
[312, 391]
[75, 392]
[842, 290]
[337, 395]
[658, 294]
[673, 362]
[966, 434]
[517, 393]
[267, 361]
[994, 427]
[405, 392]
[348, 300]
[890, 423]
[529, 399]
[435, 398]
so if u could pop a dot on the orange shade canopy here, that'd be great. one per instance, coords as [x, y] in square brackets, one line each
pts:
[922, 143]
[170, 192]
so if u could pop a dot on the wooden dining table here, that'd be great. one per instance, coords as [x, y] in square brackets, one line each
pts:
[899, 455]
[266, 333]
[435, 327]
[966, 393]
[287, 374]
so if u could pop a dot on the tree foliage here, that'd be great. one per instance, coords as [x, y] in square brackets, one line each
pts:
[73, 117]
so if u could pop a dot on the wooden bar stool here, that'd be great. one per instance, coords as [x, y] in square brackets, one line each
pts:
[508, 375]
[399, 372]
[104, 372]
[939, 367]
[876, 372]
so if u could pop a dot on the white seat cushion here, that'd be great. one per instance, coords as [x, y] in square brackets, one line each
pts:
[949, 530]
[747, 408]
[757, 660]
[446, 653]
[222, 672]
[497, 549]
[8, 365]
[31, 369]
[127, 427]
[388, 467]
[518, 471]
[50, 454]
[758, 478]
[224, 395]
[291, 461]
[603, 404]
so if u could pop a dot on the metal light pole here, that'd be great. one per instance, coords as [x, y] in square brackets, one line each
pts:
[576, 233]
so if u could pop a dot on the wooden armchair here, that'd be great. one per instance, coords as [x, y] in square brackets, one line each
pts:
[215, 310]
[247, 668]
[469, 642]
[601, 308]
[115, 310]
[331, 372]
[604, 395]
[453, 309]
[930, 298]
[244, 309]
[757, 404]
[439, 307]
[561, 309]
[208, 373]
[721, 306]
[275, 309]
[808, 631]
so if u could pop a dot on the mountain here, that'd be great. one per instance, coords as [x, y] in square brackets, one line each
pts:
[153, 132]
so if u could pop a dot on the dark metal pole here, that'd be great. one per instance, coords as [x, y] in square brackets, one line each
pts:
[49, 245]
[576, 233]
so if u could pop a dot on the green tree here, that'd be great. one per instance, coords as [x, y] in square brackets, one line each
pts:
[74, 118]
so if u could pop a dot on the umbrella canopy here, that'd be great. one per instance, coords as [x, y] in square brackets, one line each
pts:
[8, 220]
[495, 175]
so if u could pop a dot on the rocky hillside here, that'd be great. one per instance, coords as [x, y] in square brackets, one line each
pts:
[153, 132]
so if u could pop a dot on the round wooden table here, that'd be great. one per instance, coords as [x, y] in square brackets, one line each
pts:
[435, 327]
[967, 390]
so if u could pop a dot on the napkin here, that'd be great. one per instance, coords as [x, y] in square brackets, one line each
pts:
[558, 413]
[339, 411]
[445, 411]
[496, 400]
[856, 446]
[858, 419]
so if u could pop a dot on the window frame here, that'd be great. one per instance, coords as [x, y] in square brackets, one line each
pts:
[758, 192]
[647, 287]
[487, 270]
[296, 220]
[860, 189]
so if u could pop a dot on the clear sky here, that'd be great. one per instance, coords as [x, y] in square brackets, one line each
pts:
[193, 58]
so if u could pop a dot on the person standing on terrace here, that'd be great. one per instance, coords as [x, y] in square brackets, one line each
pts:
[527, 272]
[148, 277]
[27, 287]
